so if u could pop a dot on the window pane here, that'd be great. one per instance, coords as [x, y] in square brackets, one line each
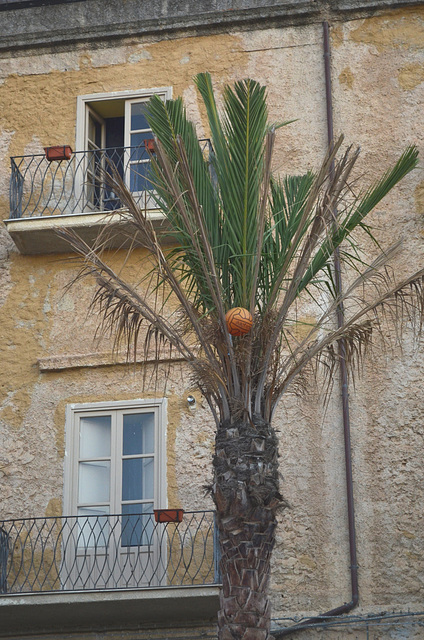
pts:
[95, 163]
[95, 437]
[93, 193]
[93, 527]
[138, 176]
[138, 149]
[137, 528]
[137, 479]
[139, 433]
[94, 131]
[94, 482]
[138, 116]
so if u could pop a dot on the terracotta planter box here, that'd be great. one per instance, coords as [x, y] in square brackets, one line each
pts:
[168, 515]
[150, 145]
[62, 152]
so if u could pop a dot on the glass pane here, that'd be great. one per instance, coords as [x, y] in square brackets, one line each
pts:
[138, 149]
[95, 161]
[137, 528]
[95, 437]
[139, 433]
[91, 161]
[138, 116]
[94, 131]
[94, 482]
[93, 193]
[93, 527]
[138, 176]
[137, 479]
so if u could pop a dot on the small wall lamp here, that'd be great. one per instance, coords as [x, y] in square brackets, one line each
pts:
[191, 401]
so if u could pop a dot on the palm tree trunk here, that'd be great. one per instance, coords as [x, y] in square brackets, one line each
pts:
[246, 495]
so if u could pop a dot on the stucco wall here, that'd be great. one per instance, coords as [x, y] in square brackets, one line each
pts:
[378, 87]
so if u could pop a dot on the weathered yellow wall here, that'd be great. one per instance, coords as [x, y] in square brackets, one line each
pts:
[378, 85]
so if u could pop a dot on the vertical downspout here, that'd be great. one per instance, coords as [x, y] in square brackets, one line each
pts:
[342, 355]
[348, 606]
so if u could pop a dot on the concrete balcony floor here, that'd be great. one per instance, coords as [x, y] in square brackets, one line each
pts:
[40, 235]
[50, 612]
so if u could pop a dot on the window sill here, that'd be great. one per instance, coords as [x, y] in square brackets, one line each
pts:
[39, 235]
[107, 610]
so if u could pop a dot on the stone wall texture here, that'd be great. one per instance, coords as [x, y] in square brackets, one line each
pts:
[378, 91]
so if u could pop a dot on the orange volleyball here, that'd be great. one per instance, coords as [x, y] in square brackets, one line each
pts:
[239, 321]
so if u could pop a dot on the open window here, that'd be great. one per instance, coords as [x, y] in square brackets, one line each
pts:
[50, 192]
[95, 128]
[113, 128]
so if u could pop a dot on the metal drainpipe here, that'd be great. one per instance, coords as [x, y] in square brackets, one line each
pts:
[348, 606]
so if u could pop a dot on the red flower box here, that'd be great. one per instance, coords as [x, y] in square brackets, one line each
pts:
[168, 515]
[150, 145]
[61, 152]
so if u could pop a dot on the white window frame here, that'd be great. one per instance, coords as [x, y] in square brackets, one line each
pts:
[164, 92]
[90, 112]
[127, 142]
[81, 119]
[107, 562]
[159, 406]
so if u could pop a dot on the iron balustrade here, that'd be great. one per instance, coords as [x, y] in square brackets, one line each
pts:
[40, 187]
[75, 553]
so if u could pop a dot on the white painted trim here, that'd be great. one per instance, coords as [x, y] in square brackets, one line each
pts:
[117, 404]
[81, 172]
[127, 94]
[90, 112]
[67, 465]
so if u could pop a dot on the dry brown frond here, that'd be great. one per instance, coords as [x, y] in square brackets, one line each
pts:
[406, 300]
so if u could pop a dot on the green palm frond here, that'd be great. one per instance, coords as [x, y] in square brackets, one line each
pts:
[288, 197]
[243, 237]
[355, 216]
[238, 144]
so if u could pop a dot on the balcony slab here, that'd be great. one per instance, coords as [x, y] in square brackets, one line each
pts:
[40, 235]
[119, 610]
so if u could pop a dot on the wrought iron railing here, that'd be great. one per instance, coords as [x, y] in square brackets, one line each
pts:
[102, 552]
[40, 187]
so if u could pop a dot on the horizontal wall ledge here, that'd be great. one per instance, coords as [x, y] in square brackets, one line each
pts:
[106, 610]
[92, 360]
[26, 26]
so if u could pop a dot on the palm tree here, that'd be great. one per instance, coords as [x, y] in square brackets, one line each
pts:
[244, 238]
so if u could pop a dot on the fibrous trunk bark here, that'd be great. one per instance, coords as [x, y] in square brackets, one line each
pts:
[246, 494]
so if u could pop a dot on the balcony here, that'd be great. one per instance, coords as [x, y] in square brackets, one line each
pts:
[47, 195]
[122, 570]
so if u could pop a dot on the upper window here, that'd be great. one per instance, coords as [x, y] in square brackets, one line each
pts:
[61, 186]
[113, 128]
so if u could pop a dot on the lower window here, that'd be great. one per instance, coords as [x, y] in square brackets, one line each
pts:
[114, 479]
